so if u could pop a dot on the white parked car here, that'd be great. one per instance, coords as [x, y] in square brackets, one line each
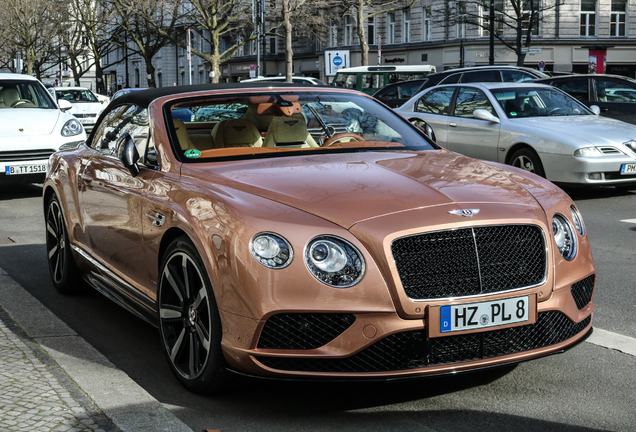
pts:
[531, 126]
[85, 105]
[32, 128]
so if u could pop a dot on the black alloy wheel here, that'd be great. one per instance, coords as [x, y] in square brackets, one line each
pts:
[64, 272]
[189, 321]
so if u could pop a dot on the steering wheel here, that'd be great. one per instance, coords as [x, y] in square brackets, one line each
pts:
[19, 101]
[556, 110]
[337, 137]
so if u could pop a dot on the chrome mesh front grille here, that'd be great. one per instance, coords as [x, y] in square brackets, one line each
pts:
[303, 330]
[470, 261]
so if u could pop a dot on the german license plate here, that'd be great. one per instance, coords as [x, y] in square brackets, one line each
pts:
[628, 169]
[25, 169]
[87, 121]
[474, 316]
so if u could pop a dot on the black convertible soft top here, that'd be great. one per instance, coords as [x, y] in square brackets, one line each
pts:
[143, 98]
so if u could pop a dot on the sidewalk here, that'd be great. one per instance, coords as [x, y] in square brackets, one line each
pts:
[53, 380]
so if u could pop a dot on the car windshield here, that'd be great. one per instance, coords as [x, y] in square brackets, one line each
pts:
[24, 94]
[538, 102]
[290, 122]
[76, 95]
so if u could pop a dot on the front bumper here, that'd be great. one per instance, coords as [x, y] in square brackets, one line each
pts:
[601, 171]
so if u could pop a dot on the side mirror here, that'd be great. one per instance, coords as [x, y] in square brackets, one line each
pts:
[424, 127]
[482, 114]
[128, 153]
[64, 105]
[595, 109]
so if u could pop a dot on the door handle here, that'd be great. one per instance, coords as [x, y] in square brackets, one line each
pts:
[451, 124]
[85, 178]
[604, 109]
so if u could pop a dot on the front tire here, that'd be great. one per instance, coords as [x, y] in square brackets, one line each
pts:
[65, 275]
[528, 160]
[189, 322]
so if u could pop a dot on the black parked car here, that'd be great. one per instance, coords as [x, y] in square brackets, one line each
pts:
[476, 74]
[615, 95]
[397, 93]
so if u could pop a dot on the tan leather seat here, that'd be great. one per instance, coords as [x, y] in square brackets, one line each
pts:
[289, 132]
[236, 133]
[8, 96]
[182, 135]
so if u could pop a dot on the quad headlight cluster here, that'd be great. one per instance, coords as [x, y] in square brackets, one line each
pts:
[330, 259]
[565, 235]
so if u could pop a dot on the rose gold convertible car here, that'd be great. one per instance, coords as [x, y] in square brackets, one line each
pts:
[310, 232]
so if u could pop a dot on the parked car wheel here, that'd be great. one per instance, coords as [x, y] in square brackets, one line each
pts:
[528, 160]
[64, 272]
[189, 321]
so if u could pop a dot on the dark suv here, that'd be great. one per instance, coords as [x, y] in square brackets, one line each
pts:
[484, 74]
[615, 95]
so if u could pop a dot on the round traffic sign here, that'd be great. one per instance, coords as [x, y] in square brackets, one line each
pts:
[252, 67]
[541, 64]
[337, 60]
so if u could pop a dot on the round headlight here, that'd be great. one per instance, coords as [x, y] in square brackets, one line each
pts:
[564, 236]
[334, 261]
[71, 127]
[271, 250]
[578, 220]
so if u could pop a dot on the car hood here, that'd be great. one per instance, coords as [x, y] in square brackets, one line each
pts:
[349, 188]
[21, 122]
[594, 130]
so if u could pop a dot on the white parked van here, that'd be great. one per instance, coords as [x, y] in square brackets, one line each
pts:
[370, 79]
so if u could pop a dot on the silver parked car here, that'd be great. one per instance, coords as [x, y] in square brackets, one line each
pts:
[531, 126]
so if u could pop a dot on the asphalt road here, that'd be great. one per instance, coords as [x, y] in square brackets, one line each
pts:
[589, 388]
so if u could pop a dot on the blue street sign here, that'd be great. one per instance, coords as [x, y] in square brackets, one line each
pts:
[337, 60]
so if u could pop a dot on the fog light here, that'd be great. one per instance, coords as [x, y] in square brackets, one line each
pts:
[596, 176]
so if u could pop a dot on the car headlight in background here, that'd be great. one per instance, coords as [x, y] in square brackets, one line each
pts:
[578, 220]
[588, 152]
[334, 261]
[72, 127]
[564, 236]
[271, 250]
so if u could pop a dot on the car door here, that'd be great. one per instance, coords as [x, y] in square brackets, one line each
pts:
[112, 200]
[434, 107]
[616, 98]
[578, 88]
[468, 135]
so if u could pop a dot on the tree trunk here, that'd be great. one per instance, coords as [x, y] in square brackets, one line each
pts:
[364, 46]
[214, 59]
[289, 53]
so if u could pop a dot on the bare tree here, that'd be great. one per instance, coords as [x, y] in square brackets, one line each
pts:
[150, 24]
[357, 8]
[296, 18]
[516, 21]
[30, 29]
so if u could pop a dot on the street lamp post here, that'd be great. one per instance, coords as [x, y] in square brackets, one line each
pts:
[491, 29]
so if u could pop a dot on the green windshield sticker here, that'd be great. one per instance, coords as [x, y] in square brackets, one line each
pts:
[514, 114]
[192, 153]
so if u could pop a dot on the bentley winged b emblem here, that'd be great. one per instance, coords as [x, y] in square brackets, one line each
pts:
[464, 212]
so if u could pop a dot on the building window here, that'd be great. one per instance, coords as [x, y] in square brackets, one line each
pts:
[241, 51]
[371, 31]
[348, 35]
[499, 8]
[272, 45]
[406, 15]
[528, 15]
[461, 20]
[426, 24]
[588, 17]
[617, 24]
[391, 30]
[333, 34]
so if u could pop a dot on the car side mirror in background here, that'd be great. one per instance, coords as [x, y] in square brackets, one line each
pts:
[595, 109]
[425, 127]
[128, 153]
[482, 114]
[64, 105]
